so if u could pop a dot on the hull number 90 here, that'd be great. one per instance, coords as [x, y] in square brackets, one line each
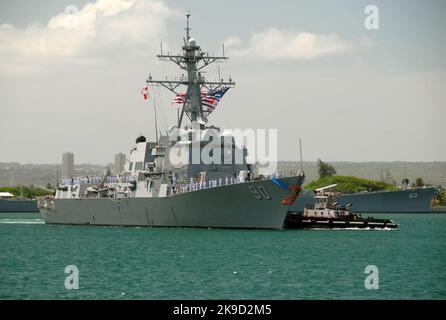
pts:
[260, 193]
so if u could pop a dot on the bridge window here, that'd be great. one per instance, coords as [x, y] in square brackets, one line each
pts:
[138, 165]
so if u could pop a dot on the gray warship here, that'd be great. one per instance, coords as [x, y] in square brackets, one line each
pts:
[156, 189]
[406, 200]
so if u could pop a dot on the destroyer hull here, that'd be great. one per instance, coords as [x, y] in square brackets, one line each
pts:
[416, 200]
[242, 205]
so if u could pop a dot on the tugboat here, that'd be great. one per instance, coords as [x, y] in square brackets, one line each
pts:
[327, 213]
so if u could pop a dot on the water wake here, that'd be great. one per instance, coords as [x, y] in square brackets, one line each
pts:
[22, 221]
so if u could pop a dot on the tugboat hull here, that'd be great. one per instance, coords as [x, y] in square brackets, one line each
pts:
[298, 221]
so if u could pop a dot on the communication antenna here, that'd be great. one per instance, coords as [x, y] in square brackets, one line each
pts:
[301, 161]
[187, 26]
[156, 121]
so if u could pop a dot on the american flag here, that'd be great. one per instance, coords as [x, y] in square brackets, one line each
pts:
[209, 99]
[180, 98]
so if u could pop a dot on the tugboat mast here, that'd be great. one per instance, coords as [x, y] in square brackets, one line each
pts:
[192, 60]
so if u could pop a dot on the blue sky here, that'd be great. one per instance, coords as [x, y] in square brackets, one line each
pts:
[378, 93]
[410, 36]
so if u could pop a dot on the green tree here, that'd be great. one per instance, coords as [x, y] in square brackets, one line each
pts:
[325, 169]
[419, 182]
[439, 199]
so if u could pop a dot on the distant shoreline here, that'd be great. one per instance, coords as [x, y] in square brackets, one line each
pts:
[433, 173]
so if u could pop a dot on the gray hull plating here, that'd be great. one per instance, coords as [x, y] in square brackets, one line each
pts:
[417, 200]
[231, 206]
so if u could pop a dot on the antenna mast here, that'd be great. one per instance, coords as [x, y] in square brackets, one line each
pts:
[301, 161]
[156, 121]
[192, 60]
[187, 27]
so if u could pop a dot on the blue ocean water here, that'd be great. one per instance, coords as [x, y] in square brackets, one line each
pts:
[188, 263]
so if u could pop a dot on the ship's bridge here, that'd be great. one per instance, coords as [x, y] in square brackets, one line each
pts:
[189, 153]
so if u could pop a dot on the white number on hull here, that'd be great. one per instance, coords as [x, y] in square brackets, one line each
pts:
[260, 193]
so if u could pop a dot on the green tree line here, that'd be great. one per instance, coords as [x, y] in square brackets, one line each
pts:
[27, 192]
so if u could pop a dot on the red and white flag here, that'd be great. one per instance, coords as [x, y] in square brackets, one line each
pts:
[180, 98]
[145, 92]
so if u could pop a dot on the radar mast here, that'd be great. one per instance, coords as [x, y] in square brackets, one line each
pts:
[192, 59]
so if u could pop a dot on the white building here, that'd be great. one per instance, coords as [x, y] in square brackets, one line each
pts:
[67, 164]
[118, 166]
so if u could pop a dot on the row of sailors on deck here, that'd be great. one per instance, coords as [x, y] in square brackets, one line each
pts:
[96, 179]
[194, 185]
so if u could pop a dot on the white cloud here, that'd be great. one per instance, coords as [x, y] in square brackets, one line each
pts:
[233, 42]
[285, 44]
[98, 26]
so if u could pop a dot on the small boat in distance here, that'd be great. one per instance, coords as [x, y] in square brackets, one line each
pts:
[10, 203]
[328, 213]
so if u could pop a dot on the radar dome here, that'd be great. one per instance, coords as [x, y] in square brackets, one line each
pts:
[140, 139]
[192, 42]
